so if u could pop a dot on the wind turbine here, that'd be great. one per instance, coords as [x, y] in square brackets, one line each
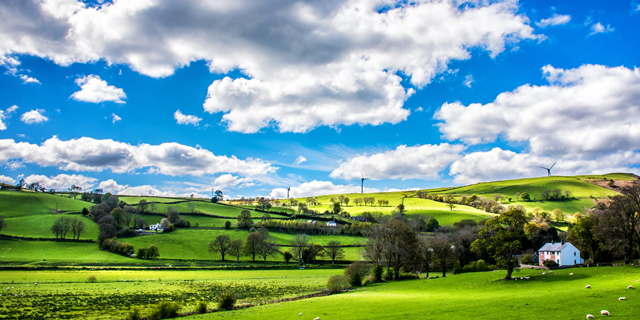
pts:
[288, 190]
[362, 182]
[549, 169]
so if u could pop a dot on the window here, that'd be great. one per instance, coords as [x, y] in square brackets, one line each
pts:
[574, 253]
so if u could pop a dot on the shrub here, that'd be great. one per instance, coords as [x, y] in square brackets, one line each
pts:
[389, 275]
[355, 280]
[337, 284]
[165, 309]
[356, 272]
[226, 301]
[134, 314]
[201, 307]
[287, 256]
[92, 279]
[227, 224]
[527, 259]
[408, 276]
[549, 263]
[367, 281]
[377, 273]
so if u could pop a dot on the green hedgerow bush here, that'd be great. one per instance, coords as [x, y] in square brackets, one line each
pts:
[337, 283]
[377, 272]
[527, 258]
[165, 309]
[201, 307]
[226, 301]
[134, 314]
[549, 263]
[92, 279]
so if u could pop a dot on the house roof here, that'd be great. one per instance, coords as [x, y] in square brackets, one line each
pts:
[558, 246]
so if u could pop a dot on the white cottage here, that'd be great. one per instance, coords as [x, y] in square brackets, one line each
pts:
[331, 224]
[563, 253]
[156, 227]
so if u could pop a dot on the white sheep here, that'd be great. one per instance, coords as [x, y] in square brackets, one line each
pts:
[543, 273]
[117, 289]
[622, 298]
[300, 313]
[589, 316]
[550, 271]
[605, 313]
[571, 273]
[630, 287]
[587, 287]
[316, 318]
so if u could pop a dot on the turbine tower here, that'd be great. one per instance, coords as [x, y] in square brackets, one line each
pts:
[288, 190]
[549, 169]
[362, 182]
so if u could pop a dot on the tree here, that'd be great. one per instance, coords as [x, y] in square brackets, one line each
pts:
[221, 245]
[192, 206]
[517, 196]
[313, 252]
[525, 197]
[235, 249]
[287, 256]
[173, 214]
[265, 216]
[264, 203]
[252, 246]
[302, 208]
[61, 227]
[400, 208]
[334, 250]
[558, 215]
[118, 216]
[584, 236]
[77, 227]
[502, 237]
[620, 221]
[74, 189]
[425, 254]
[432, 225]
[356, 272]
[267, 248]
[451, 205]
[143, 205]
[335, 208]
[227, 224]
[218, 195]
[244, 219]
[399, 245]
[442, 256]
[346, 201]
[299, 243]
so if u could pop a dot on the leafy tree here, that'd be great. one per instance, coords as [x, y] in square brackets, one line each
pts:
[620, 221]
[299, 243]
[346, 201]
[252, 245]
[227, 224]
[287, 256]
[77, 227]
[313, 252]
[143, 205]
[558, 215]
[61, 227]
[356, 272]
[335, 208]
[334, 251]
[153, 252]
[265, 216]
[451, 205]
[399, 245]
[525, 197]
[584, 236]
[244, 219]
[235, 249]
[173, 214]
[432, 225]
[264, 203]
[502, 237]
[221, 245]
[226, 301]
[267, 248]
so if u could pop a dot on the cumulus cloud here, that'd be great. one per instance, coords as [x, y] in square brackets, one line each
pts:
[186, 119]
[87, 154]
[499, 164]
[111, 186]
[316, 188]
[62, 181]
[5, 179]
[12, 65]
[307, 63]
[300, 160]
[554, 20]
[417, 162]
[148, 190]
[599, 28]
[95, 90]
[115, 118]
[6, 114]
[26, 79]
[34, 116]
[230, 181]
[587, 111]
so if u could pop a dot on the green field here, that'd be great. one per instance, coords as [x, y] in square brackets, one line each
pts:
[40, 226]
[17, 204]
[471, 296]
[58, 253]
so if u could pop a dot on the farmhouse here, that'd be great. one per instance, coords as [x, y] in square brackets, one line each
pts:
[563, 253]
[331, 224]
[156, 227]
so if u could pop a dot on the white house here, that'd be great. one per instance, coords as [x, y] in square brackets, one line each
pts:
[331, 224]
[156, 227]
[563, 253]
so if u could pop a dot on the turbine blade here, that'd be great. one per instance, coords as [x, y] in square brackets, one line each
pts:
[553, 165]
[544, 168]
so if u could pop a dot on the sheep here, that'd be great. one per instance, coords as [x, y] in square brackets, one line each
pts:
[589, 316]
[605, 313]
[117, 289]
[316, 318]
[571, 273]
[587, 286]
[622, 298]
[300, 313]
[630, 287]
[316, 281]
[550, 271]
[543, 273]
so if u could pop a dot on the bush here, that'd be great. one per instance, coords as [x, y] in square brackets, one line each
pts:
[356, 272]
[389, 275]
[181, 223]
[134, 314]
[355, 280]
[287, 256]
[201, 307]
[92, 279]
[408, 276]
[227, 224]
[527, 259]
[367, 281]
[549, 263]
[226, 301]
[377, 273]
[337, 284]
[165, 309]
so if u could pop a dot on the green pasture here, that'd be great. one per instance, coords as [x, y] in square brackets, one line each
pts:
[471, 296]
[59, 253]
[194, 243]
[40, 226]
[17, 203]
[67, 294]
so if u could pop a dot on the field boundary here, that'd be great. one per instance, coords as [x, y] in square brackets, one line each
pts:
[8, 237]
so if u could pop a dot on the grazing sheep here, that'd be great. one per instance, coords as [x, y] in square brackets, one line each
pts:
[316, 318]
[164, 284]
[630, 287]
[587, 287]
[605, 313]
[622, 298]
[589, 316]
[571, 273]
[550, 271]
[117, 289]
[300, 313]
[316, 281]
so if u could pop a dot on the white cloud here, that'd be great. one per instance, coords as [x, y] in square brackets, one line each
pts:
[599, 28]
[468, 80]
[554, 20]
[26, 79]
[148, 190]
[587, 111]
[95, 90]
[6, 114]
[309, 63]
[186, 119]
[87, 154]
[317, 188]
[115, 118]
[111, 186]
[418, 162]
[33, 116]
[62, 181]
[300, 160]
[230, 181]
[498, 164]
[5, 179]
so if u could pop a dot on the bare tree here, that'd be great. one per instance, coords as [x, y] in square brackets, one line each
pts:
[443, 256]
[235, 249]
[267, 248]
[334, 251]
[220, 245]
[299, 243]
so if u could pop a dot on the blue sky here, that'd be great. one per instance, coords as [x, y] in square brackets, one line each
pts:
[250, 97]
